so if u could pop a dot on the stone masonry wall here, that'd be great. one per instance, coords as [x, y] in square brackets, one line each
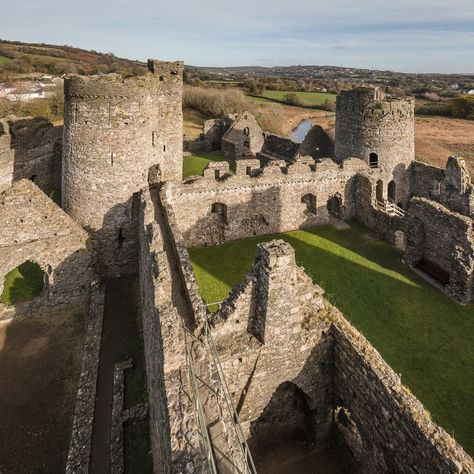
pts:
[243, 136]
[444, 238]
[267, 203]
[276, 327]
[450, 186]
[174, 439]
[30, 148]
[388, 429]
[35, 228]
[116, 130]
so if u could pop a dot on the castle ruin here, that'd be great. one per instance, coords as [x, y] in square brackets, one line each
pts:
[277, 359]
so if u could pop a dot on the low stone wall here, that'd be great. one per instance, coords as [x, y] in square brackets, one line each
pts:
[386, 427]
[174, 437]
[81, 440]
[241, 206]
[444, 238]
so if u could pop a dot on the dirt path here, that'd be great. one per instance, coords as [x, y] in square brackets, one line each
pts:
[121, 340]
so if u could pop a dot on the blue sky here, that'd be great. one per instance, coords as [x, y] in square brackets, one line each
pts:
[402, 35]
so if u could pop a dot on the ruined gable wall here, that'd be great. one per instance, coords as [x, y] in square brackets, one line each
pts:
[30, 148]
[243, 136]
[260, 205]
[390, 431]
[446, 239]
[35, 228]
[115, 130]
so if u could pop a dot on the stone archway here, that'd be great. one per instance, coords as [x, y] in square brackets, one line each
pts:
[334, 206]
[23, 283]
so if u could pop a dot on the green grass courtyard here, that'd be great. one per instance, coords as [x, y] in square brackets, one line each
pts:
[23, 283]
[193, 165]
[423, 334]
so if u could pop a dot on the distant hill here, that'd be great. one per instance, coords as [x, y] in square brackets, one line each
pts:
[17, 58]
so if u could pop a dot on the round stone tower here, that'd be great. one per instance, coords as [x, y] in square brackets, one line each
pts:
[115, 130]
[378, 130]
[381, 132]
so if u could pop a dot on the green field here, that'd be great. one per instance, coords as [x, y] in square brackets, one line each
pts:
[22, 284]
[420, 332]
[306, 98]
[194, 164]
[3, 59]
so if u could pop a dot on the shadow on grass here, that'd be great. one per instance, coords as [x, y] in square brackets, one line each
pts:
[420, 332]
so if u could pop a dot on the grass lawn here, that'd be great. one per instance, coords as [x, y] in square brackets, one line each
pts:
[306, 98]
[420, 332]
[3, 59]
[194, 164]
[23, 283]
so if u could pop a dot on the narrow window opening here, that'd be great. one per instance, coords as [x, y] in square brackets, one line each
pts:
[33, 178]
[249, 170]
[162, 78]
[120, 238]
[112, 158]
[164, 147]
[153, 138]
[373, 160]
[217, 174]
[391, 191]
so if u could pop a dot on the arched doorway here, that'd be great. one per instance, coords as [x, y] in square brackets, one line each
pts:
[391, 190]
[379, 191]
[23, 283]
[334, 206]
[310, 201]
[220, 210]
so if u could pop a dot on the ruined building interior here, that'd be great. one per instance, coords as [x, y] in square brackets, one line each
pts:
[277, 373]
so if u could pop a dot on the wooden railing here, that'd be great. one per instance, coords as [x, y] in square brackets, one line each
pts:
[390, 208]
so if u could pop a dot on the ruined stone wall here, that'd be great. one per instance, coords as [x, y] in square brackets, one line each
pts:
[256, 323]
[30, 148]
[276, 328]
[35, 228]
[450, 186]
[267, 203]
[366, 123]
[278, 148]
[368, 214]
[444, 238]
[116, 129]
[386, 427]
[173, 432]
[244, 136]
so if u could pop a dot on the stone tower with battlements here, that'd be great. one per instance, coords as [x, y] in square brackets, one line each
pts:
[375, 129]
[118, 131]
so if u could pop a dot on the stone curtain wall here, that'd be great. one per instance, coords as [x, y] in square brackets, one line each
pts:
[30, 148]
[351, 390]
[450, 186]
[35, 228]
[444, 238]
[116, 129]
[267, 203]
[174, 438]
[388, 429]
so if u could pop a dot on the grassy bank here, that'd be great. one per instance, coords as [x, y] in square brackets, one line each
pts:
[421, 333]
[309, 99]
